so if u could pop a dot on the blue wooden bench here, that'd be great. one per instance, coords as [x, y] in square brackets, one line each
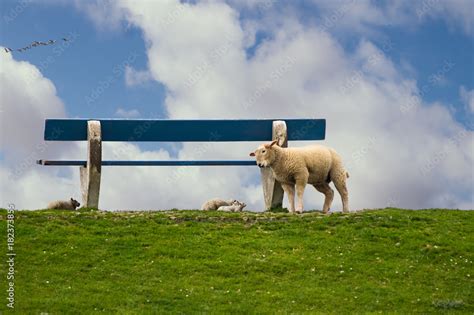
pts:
[96, 131]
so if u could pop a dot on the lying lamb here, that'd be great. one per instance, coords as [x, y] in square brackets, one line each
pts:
[236, 206]
[315, 165]
[64, 204]
[215, 203]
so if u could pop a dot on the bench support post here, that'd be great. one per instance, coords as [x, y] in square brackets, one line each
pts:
[272, 190]
[90, 174]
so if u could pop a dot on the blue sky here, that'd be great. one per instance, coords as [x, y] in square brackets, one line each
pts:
[95, 54]
[426, 50]
[90, 60]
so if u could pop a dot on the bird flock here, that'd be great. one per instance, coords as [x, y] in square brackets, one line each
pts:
[34, 44]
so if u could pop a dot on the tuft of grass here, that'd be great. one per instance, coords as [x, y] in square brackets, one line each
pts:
[278, 210]
[85, 209]
[388, 260]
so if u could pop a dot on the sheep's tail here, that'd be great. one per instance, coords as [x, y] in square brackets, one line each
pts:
[347, 174]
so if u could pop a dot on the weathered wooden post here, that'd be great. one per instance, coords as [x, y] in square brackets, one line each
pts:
[90, 174]
[272, 190]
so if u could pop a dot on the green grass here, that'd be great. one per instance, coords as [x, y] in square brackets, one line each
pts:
[186, 262]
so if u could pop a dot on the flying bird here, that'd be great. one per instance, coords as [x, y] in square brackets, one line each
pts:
[35, 44]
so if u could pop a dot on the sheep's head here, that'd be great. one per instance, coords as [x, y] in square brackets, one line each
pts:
[75, 203]
[239, 205]
[265, 154]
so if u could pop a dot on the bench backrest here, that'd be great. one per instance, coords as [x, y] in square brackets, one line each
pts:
[184, 130]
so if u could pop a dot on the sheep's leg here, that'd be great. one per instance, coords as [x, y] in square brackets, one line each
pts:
[328, 193]
[290, 191]
[340, 183]
[300, 186]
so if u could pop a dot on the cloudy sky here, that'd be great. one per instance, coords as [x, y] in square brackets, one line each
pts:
[394, 79]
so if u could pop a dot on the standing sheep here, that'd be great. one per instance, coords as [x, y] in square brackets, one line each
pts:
[64, 204]
[316, 165]
[215, 203]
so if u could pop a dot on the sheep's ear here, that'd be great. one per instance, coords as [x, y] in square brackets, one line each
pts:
[72, 199]
[271, 144]
[252, 154]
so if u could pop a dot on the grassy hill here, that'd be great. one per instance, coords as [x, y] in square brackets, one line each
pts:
[192, 261]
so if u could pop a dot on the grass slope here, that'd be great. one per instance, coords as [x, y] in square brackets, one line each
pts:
[387, 260]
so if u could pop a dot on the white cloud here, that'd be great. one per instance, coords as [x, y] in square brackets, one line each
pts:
[103, 13]
[123, 113]
[361, 16]
[27, 98]
[457, 13]
[467, 97]
[134, 77]
[353, 16]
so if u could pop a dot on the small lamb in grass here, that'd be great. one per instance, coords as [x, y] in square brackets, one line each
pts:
[315, 165]
[64, 204]
[215, 203]
[237, 206]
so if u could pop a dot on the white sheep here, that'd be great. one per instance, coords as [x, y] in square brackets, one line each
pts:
[215, 203]
[64, 204]
[236, 206]
[316, 165]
